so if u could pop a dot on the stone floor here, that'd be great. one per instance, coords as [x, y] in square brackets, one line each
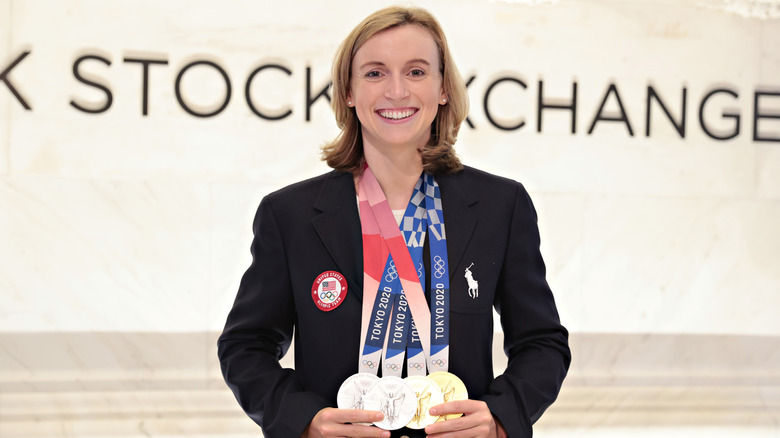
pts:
[163, 385]
[580, 412]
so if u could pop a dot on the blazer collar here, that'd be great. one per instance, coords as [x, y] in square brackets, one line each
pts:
[338, 224]
[460, 221]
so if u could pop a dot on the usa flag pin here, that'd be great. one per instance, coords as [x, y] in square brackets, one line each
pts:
[329, 290]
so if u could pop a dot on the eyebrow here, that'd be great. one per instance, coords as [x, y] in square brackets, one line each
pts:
[382, 64]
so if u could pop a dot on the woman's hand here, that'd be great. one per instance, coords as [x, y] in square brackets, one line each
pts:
[332, 422]
[477, 421]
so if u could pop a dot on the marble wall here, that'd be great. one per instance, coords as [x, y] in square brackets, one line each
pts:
[124, 233]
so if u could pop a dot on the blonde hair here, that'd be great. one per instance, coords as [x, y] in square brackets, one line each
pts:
[345, 152]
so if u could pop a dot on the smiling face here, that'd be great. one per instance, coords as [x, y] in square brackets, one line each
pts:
[396, 88]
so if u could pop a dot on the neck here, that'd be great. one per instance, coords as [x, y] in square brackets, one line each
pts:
[397, 174]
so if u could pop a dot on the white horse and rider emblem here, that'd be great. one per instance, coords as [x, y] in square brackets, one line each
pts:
[473, 284]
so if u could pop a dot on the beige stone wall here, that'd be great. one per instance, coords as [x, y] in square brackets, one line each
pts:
[123, 235]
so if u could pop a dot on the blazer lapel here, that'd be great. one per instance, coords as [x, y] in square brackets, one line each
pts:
[459, 220]
[338, 226]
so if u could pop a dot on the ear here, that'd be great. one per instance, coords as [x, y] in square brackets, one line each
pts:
[443, 97]
[350, 103]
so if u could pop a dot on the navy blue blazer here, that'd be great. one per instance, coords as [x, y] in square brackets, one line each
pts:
[313, 226]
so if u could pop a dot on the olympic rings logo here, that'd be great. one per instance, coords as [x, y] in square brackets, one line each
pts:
[369, 363]
[439, 362]
[327, 296]
[392, 366]
[438, 266]
[415, 365]
[392, 273]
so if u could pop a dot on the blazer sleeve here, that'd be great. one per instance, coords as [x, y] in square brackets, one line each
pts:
[257, 334]
[535, 342]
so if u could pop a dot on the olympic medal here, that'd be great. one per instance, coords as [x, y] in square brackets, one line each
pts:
[352, 391]
[394, 398]
[452, 389]
[428, 395]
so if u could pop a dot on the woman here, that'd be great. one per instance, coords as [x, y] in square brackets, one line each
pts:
[318, 259]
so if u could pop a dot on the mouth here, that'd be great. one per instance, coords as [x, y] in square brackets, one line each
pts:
[396, 114]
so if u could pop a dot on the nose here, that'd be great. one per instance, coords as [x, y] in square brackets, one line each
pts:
[396, 88]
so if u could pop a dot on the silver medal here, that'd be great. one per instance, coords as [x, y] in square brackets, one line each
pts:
[395, 399]
[352, 392]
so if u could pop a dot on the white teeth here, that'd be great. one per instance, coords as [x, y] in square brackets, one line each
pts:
[396, 115]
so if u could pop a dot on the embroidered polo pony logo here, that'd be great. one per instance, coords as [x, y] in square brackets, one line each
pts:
[473, 284]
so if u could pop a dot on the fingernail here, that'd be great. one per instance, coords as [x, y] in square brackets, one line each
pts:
[379, 416]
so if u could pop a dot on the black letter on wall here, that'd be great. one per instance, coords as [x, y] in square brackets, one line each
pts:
[310, 100]
[249, 97]
[622, 118]
[11, 88]
[758, 115]
[680, 127]
[189, 110]
[730, 115]
[540, 105]
[80, 78]
[145, 83]
[487, 107]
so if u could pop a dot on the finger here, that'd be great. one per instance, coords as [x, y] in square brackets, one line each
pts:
[332, 422]
[453, 425]
[465, 407]
[366, 432]
[352, 430]
[354, 416]
[477, 419]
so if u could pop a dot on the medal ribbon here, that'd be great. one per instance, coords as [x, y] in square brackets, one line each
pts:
[440, 279]
[375, 252]
[380, 235]
[401, 340]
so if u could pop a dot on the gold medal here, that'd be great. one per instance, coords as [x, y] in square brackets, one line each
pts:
[452, 389]
[428, 395]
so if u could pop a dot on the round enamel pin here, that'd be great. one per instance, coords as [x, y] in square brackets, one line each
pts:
[329, 290]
